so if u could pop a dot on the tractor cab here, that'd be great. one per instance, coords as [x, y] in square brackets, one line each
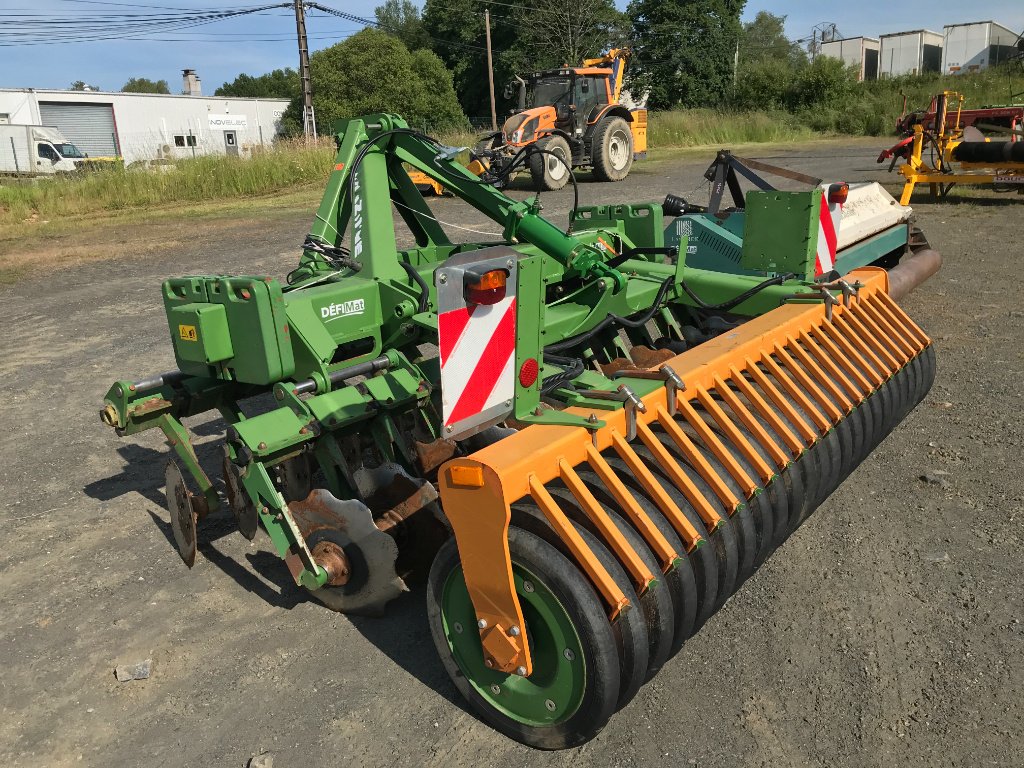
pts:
[563, 99]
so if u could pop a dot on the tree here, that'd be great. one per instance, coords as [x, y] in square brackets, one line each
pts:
[373, 72]
[684, 50]
[401, 18]
[279, 84]
[764, 38]
[457, 29]
[144, 85]
[81, 85]
[560, 32]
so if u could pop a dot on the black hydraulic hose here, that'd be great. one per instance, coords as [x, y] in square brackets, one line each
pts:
[736, 300]
[611, 319]
[571, 368]
[417, 278]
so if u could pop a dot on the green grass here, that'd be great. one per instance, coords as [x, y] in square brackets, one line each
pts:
[709, 127]
[288, 165]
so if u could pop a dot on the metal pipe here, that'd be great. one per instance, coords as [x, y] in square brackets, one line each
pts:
[155, 382]
[342, 374]
[912, 271]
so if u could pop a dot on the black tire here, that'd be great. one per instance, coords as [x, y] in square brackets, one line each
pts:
[612, 149]
[547, 171]
[584, 607]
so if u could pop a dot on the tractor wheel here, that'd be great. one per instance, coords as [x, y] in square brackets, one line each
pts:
[574, 686]
[548, 171]
[612, 149]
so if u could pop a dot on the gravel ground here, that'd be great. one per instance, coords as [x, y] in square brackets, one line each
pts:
[887, 631]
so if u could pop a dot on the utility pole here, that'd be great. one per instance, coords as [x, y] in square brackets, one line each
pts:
[308, 121]
[490, 70]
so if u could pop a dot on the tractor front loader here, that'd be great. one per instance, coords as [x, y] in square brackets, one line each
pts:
[595, 441]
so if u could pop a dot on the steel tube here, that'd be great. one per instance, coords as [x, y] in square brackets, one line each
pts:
[157, 381]
[343, 374]
[912, 271]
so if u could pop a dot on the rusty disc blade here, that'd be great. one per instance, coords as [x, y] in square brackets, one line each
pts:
[241, 505]
[181, 505]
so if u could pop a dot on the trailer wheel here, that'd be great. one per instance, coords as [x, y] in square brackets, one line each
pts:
[612, 149]
[548, 171]
[574, 685]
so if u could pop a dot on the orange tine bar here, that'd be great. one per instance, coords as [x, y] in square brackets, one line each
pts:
[667, 556]
[679, 478]
[882, 340]
[831, 377]
[816, 347]
[821, 420]
[764, 470]
[875, 378]
[809, 384]
[610, 533]
[766, 411]
[860, 336]
[754, 426]
[897, 335]
[897, 311]
[906, 333]
[691, 538]
[696, 459]
[583, 555]
[723, 454]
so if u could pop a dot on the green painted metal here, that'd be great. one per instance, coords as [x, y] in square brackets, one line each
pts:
[781, 232]
[351, 301]
[553, 692]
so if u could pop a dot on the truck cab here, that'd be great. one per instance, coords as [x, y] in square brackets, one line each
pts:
[53, 149]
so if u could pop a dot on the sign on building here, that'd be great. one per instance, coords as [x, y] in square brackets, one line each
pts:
[227, 122]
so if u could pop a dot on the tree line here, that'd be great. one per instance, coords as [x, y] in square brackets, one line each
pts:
[429, 63]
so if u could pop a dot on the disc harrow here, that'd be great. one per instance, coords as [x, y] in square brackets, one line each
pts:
[586, 440]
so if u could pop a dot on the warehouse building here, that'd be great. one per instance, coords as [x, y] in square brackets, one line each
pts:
[910, 53]
[146, 127]
[975, 46]
[860, 52]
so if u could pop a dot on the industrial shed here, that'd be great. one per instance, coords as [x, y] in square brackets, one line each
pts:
[143, 126]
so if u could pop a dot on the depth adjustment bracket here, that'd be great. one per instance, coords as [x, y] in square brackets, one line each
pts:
[673, 383]
[623, 394]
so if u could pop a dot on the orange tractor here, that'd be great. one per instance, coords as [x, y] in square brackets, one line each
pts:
[567, 118]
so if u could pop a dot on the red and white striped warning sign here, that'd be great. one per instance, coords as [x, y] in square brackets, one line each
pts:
[828, 234]
[478, 349]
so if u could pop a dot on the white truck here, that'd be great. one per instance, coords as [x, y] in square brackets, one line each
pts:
[36, 150]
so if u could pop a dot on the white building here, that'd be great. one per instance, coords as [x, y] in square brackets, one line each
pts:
[976, 46]
[860, 52]
[143, 126]
[910, 53]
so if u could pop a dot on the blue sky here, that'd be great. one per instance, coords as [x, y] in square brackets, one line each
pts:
[259, 43]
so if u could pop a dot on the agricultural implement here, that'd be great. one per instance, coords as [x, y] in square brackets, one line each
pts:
[595, 441]
[944, 153]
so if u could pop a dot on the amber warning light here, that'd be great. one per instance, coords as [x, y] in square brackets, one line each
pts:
[486, 288]
[837, 193]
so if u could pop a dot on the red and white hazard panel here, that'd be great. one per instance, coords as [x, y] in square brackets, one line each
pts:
[476, 328]
[828, 226]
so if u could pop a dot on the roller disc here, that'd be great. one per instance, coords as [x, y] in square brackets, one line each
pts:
[679, 580]
[242, 508]
[574, 686]
[371, 554]
[181, 504]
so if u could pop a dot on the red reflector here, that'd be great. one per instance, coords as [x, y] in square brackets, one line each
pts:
[488, 288]
[528, 372]
[837, 193]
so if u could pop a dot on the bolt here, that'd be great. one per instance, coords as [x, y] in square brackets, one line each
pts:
[457, 627]
[488, 663]
[514, 631]
[521, 671]
[549, 704]
[442, 278]
[482, 623]
[569, 655]
[527, 586]
[601, 285]
[279, 394]
[508, 403]
[510, 263]
[262, 446]
[495, 689]
[449, 428]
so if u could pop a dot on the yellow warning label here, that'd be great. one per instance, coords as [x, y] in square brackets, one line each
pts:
[188, 332]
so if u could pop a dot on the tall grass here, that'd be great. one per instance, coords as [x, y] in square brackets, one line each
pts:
[214, 177]
[704, 127]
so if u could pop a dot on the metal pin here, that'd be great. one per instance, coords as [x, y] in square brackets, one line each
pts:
[514, 631]
[482, 623]
[521, 671]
